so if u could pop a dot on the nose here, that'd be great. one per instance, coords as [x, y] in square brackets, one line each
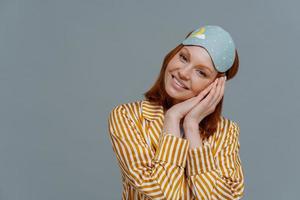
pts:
[184, 73]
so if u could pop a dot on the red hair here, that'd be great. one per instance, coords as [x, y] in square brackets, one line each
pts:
[157, 93]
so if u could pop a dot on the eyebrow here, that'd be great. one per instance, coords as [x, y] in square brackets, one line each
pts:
[196, 65]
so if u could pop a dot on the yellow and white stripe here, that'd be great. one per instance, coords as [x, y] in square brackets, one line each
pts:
[157, 165]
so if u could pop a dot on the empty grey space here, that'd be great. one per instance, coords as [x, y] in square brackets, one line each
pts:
[65, 64]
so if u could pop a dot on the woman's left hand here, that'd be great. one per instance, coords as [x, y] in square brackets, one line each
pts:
[206, 106]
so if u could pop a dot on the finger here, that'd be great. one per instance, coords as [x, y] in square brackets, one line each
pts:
[213, 97]
[206, 102]
[211, 94]
[223, 88]
[219, 92]
[211, 86]
[205, 91]
[219, 88]
[190, 103]
[215, 92]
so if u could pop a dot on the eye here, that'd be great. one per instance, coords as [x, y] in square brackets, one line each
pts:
[183, 57]
[201, 72]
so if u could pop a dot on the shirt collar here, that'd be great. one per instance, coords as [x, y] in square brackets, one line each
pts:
[151, 111]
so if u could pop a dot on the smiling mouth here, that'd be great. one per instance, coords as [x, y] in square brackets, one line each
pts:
[178, 83]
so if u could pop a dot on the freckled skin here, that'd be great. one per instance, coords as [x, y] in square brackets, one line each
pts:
[186, 69]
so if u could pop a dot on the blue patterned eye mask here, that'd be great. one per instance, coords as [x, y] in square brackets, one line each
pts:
[217, 42]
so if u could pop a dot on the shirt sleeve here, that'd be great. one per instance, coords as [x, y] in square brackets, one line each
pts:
[217, 178]
[158, 175]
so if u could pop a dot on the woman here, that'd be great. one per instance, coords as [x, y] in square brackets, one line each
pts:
[175, 144]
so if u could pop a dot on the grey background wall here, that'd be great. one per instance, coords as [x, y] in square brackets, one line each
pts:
[65, 64]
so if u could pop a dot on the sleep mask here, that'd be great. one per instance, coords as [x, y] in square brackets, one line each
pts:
[217, 42]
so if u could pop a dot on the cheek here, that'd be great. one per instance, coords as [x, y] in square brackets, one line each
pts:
[199, 85]
[172, 65]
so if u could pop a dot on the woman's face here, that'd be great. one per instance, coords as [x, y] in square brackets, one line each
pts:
[193, 68]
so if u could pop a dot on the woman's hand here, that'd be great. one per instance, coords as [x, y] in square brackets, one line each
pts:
[179, 110]
[207, 105]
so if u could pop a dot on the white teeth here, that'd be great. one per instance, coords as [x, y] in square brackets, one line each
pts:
[178, 83]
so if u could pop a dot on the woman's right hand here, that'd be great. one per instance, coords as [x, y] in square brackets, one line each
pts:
[178, 111]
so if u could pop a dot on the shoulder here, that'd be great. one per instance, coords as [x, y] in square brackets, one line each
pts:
[124, 117]
[129, 109]
[228, 131]
[228, 126]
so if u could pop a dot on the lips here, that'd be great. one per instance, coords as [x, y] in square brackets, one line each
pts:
[179, 82]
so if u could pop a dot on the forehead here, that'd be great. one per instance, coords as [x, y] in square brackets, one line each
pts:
[199, 56]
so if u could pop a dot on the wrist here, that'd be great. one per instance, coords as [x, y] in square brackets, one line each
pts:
[190, 123]
[172, 117]
[190, 126]
[171, 126]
